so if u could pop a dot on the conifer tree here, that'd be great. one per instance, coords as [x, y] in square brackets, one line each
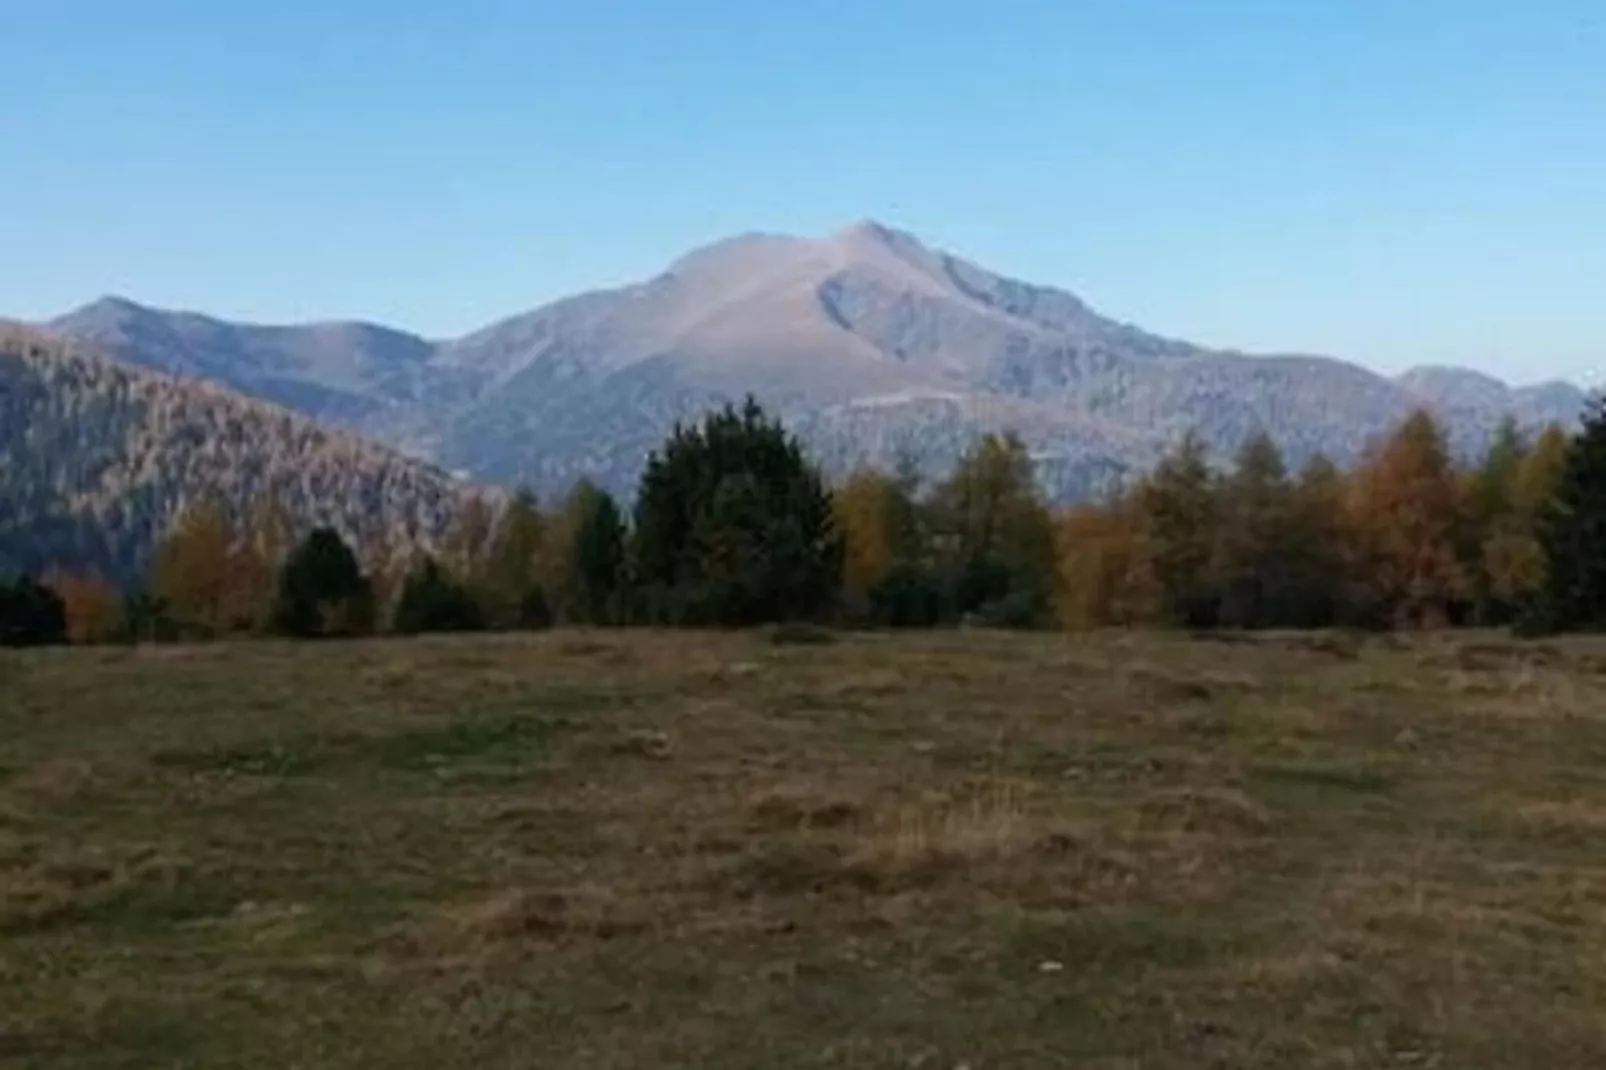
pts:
[594, 575]
[193, 569]
[1253, 553]
[31, 614]
[998, 533]
[734, 525]
[92, 605]
[1573, 531]
[322, 590]
[1500, 554]
[515, 562]
[1321, 576]
[884, 549]
[1106, 575]
[431, 601]
[1409, 510]
[1179, 508]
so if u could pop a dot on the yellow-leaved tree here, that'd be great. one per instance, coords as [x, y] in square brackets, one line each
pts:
[1409, 511]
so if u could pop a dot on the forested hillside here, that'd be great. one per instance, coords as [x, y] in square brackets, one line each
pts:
[97, 459]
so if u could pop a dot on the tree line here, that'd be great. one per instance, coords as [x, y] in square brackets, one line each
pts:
[733, 525]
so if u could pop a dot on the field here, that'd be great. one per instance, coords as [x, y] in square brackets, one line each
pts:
[968, 849]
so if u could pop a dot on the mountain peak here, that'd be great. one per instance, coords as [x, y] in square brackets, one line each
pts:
[112, 303]
[869, 234]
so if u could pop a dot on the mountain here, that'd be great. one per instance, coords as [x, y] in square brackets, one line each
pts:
[98, 458]
[870, 343]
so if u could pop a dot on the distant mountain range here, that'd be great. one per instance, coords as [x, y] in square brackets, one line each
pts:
[872, 345]
[97, 459]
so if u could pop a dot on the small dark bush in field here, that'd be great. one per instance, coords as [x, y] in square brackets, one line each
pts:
[797, 634]
[1018, 609]
[908, 596]
[31, 614]
[535, 613]
[432, 601]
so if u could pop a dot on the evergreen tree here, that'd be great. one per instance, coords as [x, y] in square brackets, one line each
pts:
[596, 556]
[1253, 550]
[322, 590]
[1573, 531]
[734, 526]
[431, 601]
[1321, 548]
[31, 614]
[1179, 509]
[146, 619]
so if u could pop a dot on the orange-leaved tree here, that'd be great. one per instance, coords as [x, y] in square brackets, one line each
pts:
[1408, 509]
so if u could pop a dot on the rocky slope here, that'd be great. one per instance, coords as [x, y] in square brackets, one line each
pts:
[871, 343]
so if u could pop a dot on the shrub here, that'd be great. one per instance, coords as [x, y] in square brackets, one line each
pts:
[431, 601]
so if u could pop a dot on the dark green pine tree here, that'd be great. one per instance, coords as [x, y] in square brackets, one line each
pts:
[1180, 508]
[431, 601]
[597, 556]
[1253, 573]
[322, 590]
[734, 526]
[1573, 532]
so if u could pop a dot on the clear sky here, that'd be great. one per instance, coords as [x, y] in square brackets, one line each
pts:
[1393, 181]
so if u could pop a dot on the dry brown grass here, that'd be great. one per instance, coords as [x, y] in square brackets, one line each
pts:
[611, 850]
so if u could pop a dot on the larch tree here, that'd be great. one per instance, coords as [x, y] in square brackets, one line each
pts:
[257, 556]
[997, 533]
[1502, 554]
[517, 553]
[1410, 510]
[1105, 573]
[882, 535]
[93, 605]
[193, 570]
[466, 547]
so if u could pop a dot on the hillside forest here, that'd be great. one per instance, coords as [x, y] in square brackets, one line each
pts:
[733, 525]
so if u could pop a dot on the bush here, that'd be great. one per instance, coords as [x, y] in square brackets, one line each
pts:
[797, 634]
[1018, 609]
[908, 596]
[431, 601]
[31, 614]
[535, 612]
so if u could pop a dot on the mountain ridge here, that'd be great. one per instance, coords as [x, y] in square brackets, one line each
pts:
[866, 339]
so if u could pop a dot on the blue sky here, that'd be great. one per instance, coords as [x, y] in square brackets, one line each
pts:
[1393, 182]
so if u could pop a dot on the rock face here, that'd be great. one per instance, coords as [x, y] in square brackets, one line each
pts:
[871, 344]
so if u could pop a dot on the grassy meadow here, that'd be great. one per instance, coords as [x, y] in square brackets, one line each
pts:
[650, 849]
